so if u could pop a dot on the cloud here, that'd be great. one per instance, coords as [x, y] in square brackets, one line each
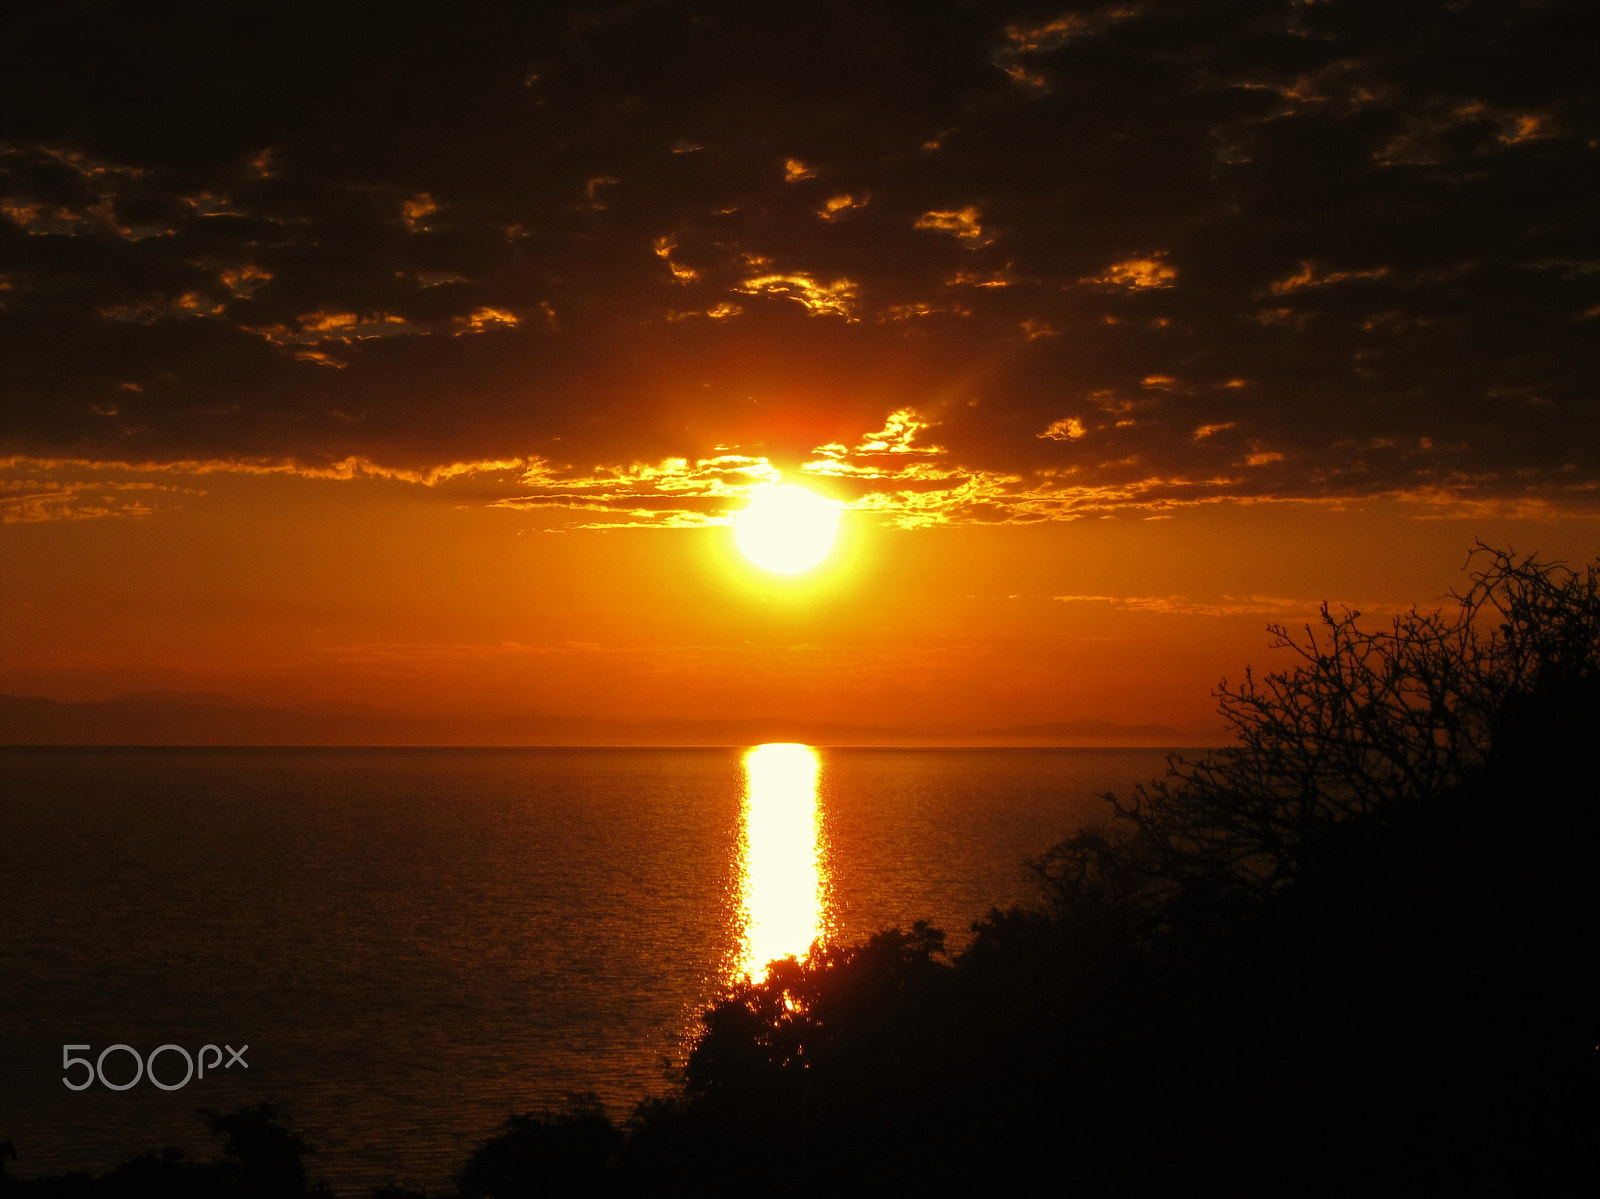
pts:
[415, 212]
[899, 435]
[673, 493]
[1182, 605]
[664, 246]
[1024, 40]
[1136, 274]
[30, 501]
[820, 299]
[964, 223]
[481, 319]
[1309, 276]
[835, 207]
[1359, 241]
[243, 281]
[1068, 428]
[25, 468]
[892, 475]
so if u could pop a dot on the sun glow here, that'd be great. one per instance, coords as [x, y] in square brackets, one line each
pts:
[781, 863]
[786, 529]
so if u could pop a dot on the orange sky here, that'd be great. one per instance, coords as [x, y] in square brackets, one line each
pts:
[414, 398]
[425, 602]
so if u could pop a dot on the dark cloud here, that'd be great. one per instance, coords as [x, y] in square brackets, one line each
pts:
[1101, 255]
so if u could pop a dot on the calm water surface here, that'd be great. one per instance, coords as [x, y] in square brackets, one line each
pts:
[416, 943]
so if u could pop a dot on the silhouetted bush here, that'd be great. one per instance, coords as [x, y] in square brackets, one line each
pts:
[575, 1152]
[806, 1016]
[268, 1153]
[262, 1159]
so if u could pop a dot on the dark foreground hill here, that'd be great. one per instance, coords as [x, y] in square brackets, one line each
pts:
[1353, 954]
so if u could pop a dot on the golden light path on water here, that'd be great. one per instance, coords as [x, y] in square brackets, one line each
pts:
[782, 867]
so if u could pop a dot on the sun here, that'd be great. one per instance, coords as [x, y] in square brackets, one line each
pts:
[786, 529]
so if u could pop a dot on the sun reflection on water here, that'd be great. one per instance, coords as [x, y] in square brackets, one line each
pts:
[782, 869]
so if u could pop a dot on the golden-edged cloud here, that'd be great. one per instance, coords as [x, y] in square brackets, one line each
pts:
[837, 298]
[32, 500]
[663, 247]
[1068, 428]
[481, 320]
[964, 223]
[671, 493]
[1309, 276]
[841, 205]
[1137, 274]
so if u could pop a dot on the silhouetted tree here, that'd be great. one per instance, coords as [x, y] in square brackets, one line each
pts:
[1366, 721]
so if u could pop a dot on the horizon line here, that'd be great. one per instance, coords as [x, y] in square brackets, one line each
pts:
[572, 745]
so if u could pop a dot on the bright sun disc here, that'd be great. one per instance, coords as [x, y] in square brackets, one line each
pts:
[786, 529]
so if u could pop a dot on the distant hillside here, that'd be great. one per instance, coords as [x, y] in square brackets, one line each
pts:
[203, 718]
[1083, 730]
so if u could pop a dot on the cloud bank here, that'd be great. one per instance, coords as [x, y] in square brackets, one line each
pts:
[954, 263]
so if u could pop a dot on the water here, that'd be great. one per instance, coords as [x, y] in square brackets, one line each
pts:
[416, 943]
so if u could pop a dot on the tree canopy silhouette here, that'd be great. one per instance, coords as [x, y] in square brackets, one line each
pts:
[1365, 722]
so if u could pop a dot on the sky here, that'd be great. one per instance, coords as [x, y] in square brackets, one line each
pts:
[411, 361]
